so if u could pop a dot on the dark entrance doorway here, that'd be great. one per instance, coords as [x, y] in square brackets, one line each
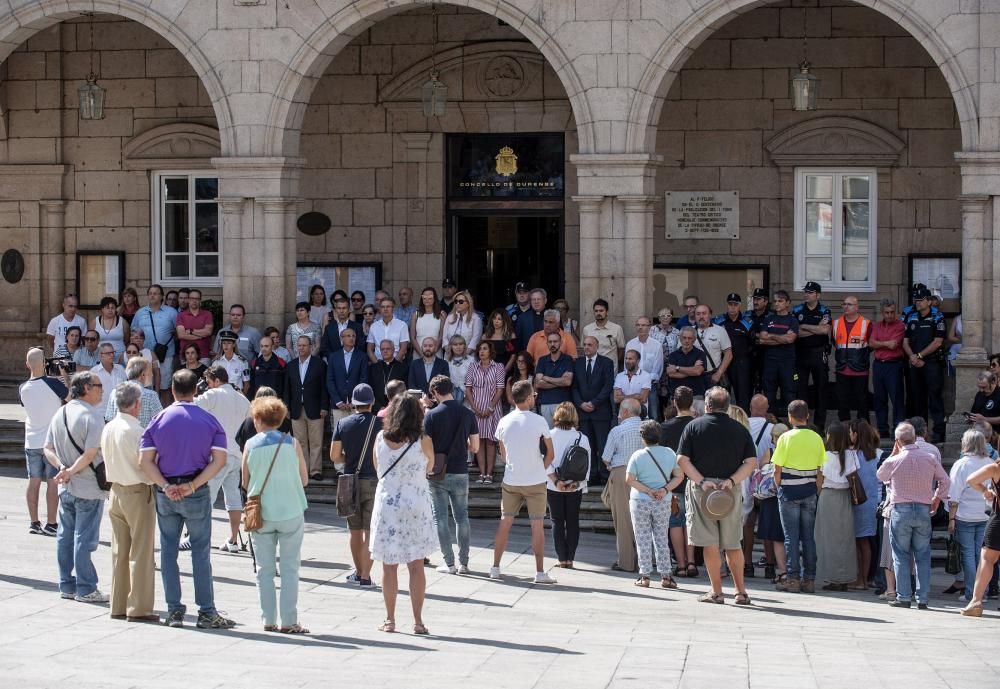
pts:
[505, 214]
[493, 252]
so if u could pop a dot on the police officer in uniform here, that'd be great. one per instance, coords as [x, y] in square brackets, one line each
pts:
[811, 350]
[740, 329]
[923, 344]
[234, 363]
[778, 332]
[759, 309]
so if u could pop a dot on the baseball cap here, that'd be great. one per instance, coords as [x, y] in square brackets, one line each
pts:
[363, 395]
[227, 335]
[761, 293]
[812, 287]
[448, 282]
[734, 298]
[522, 287]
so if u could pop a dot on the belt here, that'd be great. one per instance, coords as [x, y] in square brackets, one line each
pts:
[178, 480]
[889, 361]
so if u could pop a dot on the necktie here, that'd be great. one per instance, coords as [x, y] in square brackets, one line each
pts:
[590, 367]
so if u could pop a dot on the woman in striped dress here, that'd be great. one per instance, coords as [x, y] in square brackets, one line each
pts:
[483, 390]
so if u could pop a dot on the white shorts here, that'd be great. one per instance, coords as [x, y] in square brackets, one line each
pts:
[166, 372]
[229, 480]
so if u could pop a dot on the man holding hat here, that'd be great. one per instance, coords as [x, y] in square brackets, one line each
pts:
[811, 350]
[739, 327]
[234, 363]
[351, 453]
[717, 453]
[923, 344]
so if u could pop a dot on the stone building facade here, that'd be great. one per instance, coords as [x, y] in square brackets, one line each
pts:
[264, 111]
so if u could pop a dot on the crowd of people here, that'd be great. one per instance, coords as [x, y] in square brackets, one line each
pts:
[680, 425]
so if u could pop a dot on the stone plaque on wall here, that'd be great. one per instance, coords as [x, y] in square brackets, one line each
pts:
[703, 214]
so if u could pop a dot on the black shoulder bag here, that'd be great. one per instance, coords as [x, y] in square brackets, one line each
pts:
[99, 471]
[160, 350]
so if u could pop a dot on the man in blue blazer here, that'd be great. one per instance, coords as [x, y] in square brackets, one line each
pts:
[346, 368]
[424, 369]
[593, 379]
[340, 320]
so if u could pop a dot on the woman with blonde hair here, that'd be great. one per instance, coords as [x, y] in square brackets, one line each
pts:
[462, 321]
[274, 468]
[565, 497]
[457, 356]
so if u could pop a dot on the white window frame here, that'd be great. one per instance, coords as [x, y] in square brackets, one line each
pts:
[836, 284]
[156, 213]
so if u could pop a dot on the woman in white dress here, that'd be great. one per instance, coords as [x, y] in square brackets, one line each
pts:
[111, 327]
[402, 526]
[426, 320]
[462, 321]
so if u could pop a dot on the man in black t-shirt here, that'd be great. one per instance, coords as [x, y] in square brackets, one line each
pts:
[670, 436]
[454, 432]
[351, 452]
[778, 332]
[986, 405]
[717, 452]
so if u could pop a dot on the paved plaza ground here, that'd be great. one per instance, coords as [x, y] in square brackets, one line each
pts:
[592, 629]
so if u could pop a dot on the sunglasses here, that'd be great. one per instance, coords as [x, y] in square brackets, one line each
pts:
[90, 339]
[369, 313]
[96, 385]
[461, 301]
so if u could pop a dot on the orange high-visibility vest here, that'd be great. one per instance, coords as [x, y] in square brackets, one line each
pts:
[852, 351]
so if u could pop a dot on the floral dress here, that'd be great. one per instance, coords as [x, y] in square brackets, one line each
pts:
[402, 526]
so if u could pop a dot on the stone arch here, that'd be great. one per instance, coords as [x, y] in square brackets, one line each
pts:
[663, 68]
[310, 62]
[20, 24]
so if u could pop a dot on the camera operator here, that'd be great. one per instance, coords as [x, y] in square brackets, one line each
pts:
[41, 396]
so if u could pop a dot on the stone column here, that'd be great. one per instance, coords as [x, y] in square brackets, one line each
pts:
[232, 209]
[976, 251]
[274, 268]
[638, 253]
[590, 253]
[53, 278]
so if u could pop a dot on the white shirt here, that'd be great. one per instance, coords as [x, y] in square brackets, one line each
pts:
[58, 326]
[237, 368]
[231, 409]
[971, 505]
[652, 355]
[833, 477]
[562, 438]
[520, 432]
[766, 443]
[634, 385]
[303, 368]
[394, 331]
[716, 341]
[41, 402]
[109, 381]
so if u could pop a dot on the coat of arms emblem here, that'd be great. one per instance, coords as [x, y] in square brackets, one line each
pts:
[506, 162]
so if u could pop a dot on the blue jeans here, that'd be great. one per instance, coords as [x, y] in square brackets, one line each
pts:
[887, 386]
[454, 490]
[195, 512]
[910, 536]
[76, 538]
[970, 539]
[284, 537]
[798, 520]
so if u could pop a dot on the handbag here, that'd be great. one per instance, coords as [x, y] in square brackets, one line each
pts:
[953, 563]
[723, 379]
[253, 517]
[854, 485]
[159, 350]
[99, 470]
[348, 488]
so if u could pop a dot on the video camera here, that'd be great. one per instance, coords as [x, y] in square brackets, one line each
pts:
[58, 365]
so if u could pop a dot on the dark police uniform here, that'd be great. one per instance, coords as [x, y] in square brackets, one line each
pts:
[811, 360]
[926, 383]
[741, 334]
[779, 361]
[756, 351]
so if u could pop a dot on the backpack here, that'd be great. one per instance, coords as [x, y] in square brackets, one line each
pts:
[575, 462]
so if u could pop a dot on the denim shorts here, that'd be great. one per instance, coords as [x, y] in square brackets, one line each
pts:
[38, 466]
[679, 520]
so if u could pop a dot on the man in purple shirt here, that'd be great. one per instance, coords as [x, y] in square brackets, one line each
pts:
[182, 448]
[911, 473]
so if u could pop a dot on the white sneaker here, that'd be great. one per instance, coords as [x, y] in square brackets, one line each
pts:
[229, 547]
[94, 596]
[543, 578]
[463, 569]
[494, 572]
[447, 569]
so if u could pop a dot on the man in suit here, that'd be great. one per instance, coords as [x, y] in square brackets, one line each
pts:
[346, 368]
[382, 371]
[341, 321]
[422, 370]
[593, 378]
[307, 399]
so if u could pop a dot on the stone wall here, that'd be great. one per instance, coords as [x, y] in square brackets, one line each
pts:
[732, 97]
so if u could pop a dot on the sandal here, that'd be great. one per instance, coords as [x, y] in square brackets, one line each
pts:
[420, 629]
[642, 581]
[692, 570]
[293, 629]
[668, 582]
[675, 571]
[389, 626]
[712, 597]
[780, 579]
[972, 610]
[742, 598]
[888, 595]
[270, 627]
[839, 588]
